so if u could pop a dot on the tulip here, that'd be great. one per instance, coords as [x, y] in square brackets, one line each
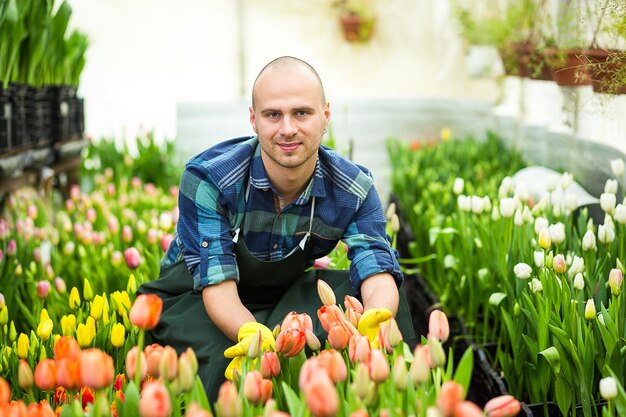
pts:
[558, 264]
[153, 354]
[25, 377]
[46, 375]
[606, 234]
[59, 285]
[155, 400]
[394, 336]
[132, 357]
[5, 391]
[378, 366]
[353, 316]
[607, 202]
[312, 341]
[116, 258]
[608, 388]
[322, 263]
[194, 410]
[11, 248]
[290, 342]
[437, 354]
[338, 337]
[332, 362]
[23, 344]
[477, 204]
[2, 301]
[228, 404]
[540, 224]
[579, 281]
[351, 302]
[96, 368]
[450, 396]
[146, 311]
[256, 389]
[297, 321]
[522, 270]
[68, 373]
[74, 298]
[84, 335]
[321, 396]
[589, 241]
[617, 167]
[358, 348]
[611, 186]
[118, 334]
[4, 315]
[468, 409]
[168, 366]
[419, 370]
[438, 325]
[270, 365]
[96, 306]
[545, 240]
[458, 185]
[44, 329]
[557, 233]
[536, 286]
[87, 291]
[166, 241]
[325, 293]
[132, 258]
[590, 309]
[400, 373]
[66, 348]
[127, 234]
[43, 288]
[615, 281]
[502, 406]
[68, 325]
[464, 202]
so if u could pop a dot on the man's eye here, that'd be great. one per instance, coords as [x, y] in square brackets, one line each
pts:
[302, 113]
[273, 115]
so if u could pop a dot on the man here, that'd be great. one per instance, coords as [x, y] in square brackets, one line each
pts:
[255, 212]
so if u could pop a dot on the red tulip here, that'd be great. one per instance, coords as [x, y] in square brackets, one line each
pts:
[66, 347]
[155, 400]
[60, 395]
[46, 375]
[96, 368]
[502, 406]
[270, 365]
[86, 396]
[290, 342]
[146, 311]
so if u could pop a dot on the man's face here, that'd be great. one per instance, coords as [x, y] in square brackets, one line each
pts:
[289, 117]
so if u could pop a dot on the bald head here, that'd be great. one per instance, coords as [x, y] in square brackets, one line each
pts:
[286, 64]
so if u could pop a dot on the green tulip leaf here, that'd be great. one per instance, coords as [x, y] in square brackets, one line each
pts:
[551, 355]
[496, 298]
[563, 395]
[463, 373]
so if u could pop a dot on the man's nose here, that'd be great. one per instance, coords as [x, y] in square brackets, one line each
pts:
[288, 126]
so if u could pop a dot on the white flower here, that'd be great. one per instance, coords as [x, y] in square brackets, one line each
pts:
[487, 203]
[606, 234]
[521, 191]
[557, 233]
[571, 202]
[566, 180]
[495, 214]
[457, 187]
[590, 309]
[611, 186]
[553, 182]
[522, 270]
[579, 282]
[608, 221]
[556, 210]
[507, 207]
[540, 224]
[518, 220]
[589, 241]
[620, 214]
[617, 166]
[464, 203]
[506, 186]
[607, 202]
[578, 266]
[536, 285]
[608, 385]
[527, 215]
[539, 257]
[477, 204]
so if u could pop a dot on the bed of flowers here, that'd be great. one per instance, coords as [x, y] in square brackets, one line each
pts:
[73, 332]
[538, 280]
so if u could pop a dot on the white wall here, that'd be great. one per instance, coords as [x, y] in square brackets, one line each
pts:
[147, 56]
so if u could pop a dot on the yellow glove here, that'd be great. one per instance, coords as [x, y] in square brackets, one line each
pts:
[370, 323]
[244, 337]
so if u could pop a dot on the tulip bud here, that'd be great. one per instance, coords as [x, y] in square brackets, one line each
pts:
[228, 403]
[522, 270]
[502, 406]
[540, 224]
[59, 285]
[118, 333]
[590, 310]
[558, 264]
[23, 345]
[459, 184]
[25, 376]
[155, 400]
[68, 325]
[166, 241]
[168, 366]
[607, 202]
[438, 325]
[254, 349]
[132, 258]
[437, 354]
[325, 293]
[400, 374]
[270, 365]
[96, 306]
[74, 298]
[44, 329]
[464, 202]
[617, 167]
[615, 281]
[87, 291]
[4, 315]
[2, 301]
[579, 282]
[608, 388]
[545, 240]
[312, 341]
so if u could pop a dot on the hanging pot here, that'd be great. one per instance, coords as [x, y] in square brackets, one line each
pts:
[603, 67]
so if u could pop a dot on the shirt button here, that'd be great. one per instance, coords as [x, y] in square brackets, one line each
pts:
[205, 244]
[275, 245]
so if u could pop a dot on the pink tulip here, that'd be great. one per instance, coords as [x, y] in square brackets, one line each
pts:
[43, 288]
[322, 263]
[290, 342]
[558, 264]
[502, 406]
[131, 363]
[146, 311]
[438, 325]
[135, 182]
[91, 215]
[152, 236]
[351, 302]
[378, 366]
[149, 189]
[468, 409]
[132, 257]
[127, 234]
[334, 365]
[59, 285]
[337, 337]
[166, 241]
[96, 368]
[113, 224]
[321, 396]
[155, 400]
[46, 375]
[75, 192]
[11, 248]
[228, 403]
[256, 389]
[615, 281]
[450, 395]
[4, 229]
[270, 365]
[32, 211]
[297, 321]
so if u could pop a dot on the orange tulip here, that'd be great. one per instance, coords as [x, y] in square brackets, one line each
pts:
[228, 403]
[438, 325]
[297, 321]
[96, 368]
[338, 336]
[68, 373]
[41, 409]
[131, 363]
[358, 348]
[332, 313]
[450, 395]
[46, 375]
[155, 400]
[468, 409]
[332, 362]
[256, 389]
[321, 396]
[194, 410]
[353, 303]
[153, 354]
[270, 365]
[13, 409]
[66, 347]
[290, 342]
[5, 391]
[353, 316]
[502, 406]
[378, 366]
[146, 311]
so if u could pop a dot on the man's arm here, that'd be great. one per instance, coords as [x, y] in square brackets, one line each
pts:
[225, 309]
[380, 291]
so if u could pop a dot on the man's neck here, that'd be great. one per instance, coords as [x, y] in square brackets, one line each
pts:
[290, 182]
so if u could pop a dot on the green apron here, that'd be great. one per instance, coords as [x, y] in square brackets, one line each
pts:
[270, 290]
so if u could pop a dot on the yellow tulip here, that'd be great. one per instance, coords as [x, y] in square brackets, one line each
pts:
[91, 324]
[44, 329]
[19, 270]
[118, 333]
[4, 315]
[87, 291]
[96, 307]
[68, 325]
[105, 304]
[74, 298]
[43, 315]
[23, 344]
[12, 332]
[84, 336]
[131, 286]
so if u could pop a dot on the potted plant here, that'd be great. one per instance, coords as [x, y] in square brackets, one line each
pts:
[357, 19]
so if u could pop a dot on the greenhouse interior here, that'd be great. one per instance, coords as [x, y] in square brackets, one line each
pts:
[403, 208]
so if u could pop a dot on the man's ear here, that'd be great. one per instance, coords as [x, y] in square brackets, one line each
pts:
[252, 119]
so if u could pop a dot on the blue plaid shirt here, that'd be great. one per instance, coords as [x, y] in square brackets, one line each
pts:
[212, 203]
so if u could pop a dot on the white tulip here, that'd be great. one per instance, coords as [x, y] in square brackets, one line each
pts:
[527, 215]
[536, 285]
[477, 204]
[620, 213]
[457, 187]
[611, 186]
[507, 207]
[571, 202]
[553, 182]
[521, 191]
[522, 270]
[487, 203]
[608, 221]
[566, 180]
[589, 241]
[556, 210]
[506, 186]
[617, 166]
[579, 282]
[608, 386]
[464, 203]
[539, 257]
[606, 234]
[607, 202]
[557, 233]
[495, 214]
[518, 220]
[578, 266]
[540, 224]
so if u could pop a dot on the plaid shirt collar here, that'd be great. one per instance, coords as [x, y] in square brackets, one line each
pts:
[259, 179]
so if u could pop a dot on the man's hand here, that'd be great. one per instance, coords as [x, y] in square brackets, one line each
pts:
[370, 322]
[244, 337]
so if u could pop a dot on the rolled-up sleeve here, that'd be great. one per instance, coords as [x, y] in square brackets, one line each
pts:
[204, 229]
[369, 246]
